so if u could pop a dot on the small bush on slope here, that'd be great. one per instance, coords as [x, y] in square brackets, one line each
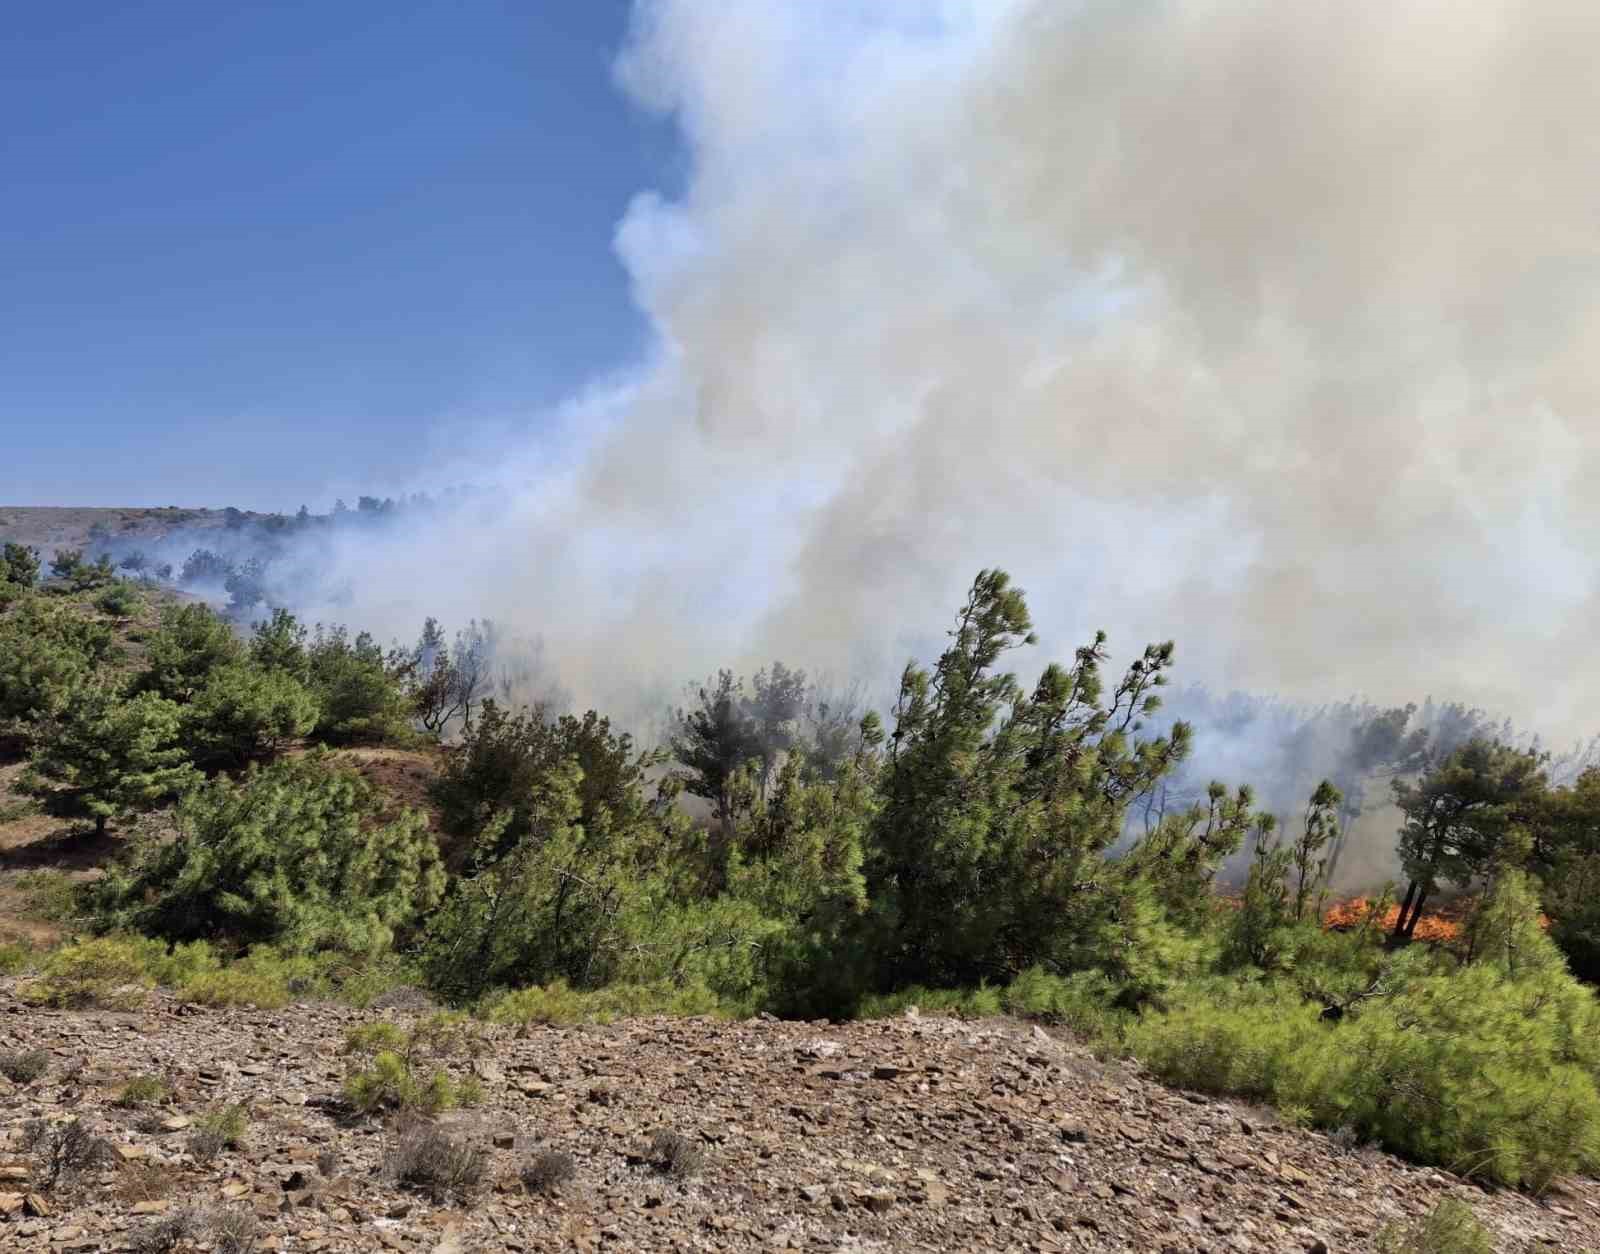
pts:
[13, 958]
[112, 971]
[402, 1071]
[1450, 1228]
[294, 856]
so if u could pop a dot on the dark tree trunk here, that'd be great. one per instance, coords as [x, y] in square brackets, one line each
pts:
[1416, 913]
[1405, 906]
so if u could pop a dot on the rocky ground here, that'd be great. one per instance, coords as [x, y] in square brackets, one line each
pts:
[911, 1134]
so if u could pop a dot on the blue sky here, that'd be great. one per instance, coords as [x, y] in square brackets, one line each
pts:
[248, 252]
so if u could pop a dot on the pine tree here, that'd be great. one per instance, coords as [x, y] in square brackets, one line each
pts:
[48, 651]
[298, 854]
[190, 643]
[243, 711]
[712, 740]
[19, 565]
[110, 757]
[987, 856]
[1456, 816]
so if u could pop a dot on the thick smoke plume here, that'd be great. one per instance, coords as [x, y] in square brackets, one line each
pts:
[1268, 327]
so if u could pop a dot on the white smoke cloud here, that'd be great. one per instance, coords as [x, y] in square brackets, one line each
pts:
[1271, 328]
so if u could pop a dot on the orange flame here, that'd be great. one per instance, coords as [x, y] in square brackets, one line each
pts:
[1352, 913]
[1430, 927]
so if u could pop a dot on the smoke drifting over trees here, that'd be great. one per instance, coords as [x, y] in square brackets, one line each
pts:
[1265, 331]
[1260, 328]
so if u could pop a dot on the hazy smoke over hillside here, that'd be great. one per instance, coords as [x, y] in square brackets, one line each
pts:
[1271, 328]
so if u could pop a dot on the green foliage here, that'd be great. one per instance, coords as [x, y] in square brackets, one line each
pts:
[19, 565]
[388, 1083]
[279, 644]
[48, 652]
[359, 699]
[243, 711]
[73, 574]
[794, 864]
[262, 978]
[222, 1127]
[14, 958]
[110, 971]
[142, 1090]
[966, 866]
[120, 967]
[1567, 849]
[295, 855]
[1572, 898]
[568, 857]
[65, 563]
[51, 895]
[191, 642]
[1489, 1069]
[1449, 1228]
[713, 739]
[1458, 815]
[400, 1070]
[558, 1003]
[110, 757]
[120, 599]
[998, 806]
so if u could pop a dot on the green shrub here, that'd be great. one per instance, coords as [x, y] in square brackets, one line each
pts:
[968, 1003]
[142, 1090]
[14, 958]
[389, 1082]
[359, 701]
[1484, 1074]
[1449, 1228]
[1085, 1001]
[110, 971]
[401, 1071]
[469, 1091]
[223, 1127]
[52, 895]
[242, 711]
[19, 564]
[237, 984]
[191, 642]
[48, 652]
[361, 984]
[296, 855]
[121, 599]
[556, 1003]
[109, 756]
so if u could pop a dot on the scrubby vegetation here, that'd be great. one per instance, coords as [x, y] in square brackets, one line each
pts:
[1450, 1228]
[990, 847]
[402, 1070]
[431, 1161]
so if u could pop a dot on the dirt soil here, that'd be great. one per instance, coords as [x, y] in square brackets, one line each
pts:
[912, 1134]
